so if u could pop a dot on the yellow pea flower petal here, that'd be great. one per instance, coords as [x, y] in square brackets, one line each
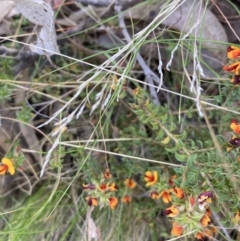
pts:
[10, 167]
[150, 178]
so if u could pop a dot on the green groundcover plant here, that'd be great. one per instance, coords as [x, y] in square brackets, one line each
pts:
[199, 180]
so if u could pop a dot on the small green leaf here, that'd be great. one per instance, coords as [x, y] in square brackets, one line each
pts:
[181, 157]
[171, 150]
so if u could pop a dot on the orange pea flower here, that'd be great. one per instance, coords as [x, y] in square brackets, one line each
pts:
[129, 182]
[113, 201]
[151, 178]
[178, 192]
[126, 199]
[107, 174]
[103, 187]
[234, 68]
[92, 201]
[171, 211]
[155, 195]
[207, 233]
[176, 229]
[235, 126]
[112, 187]
[200, 236]
[166, 196]
[7, 166]
[205, 220]
[233, 52]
